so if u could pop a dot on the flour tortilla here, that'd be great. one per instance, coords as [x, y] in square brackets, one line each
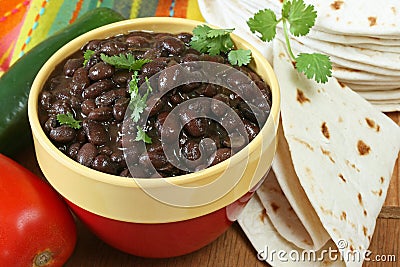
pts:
[294, 219]
[353, 40]
[340, 61]
[378, 47]
[386, 60]
[350, 74]
[386, 107]
[336, 142]
[263, 236]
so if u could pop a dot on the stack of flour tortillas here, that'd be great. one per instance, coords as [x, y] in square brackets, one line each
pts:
[330, 176]
[362, 40]
[334, 161]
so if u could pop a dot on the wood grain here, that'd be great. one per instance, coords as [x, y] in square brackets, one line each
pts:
[391, 207]
[232, 249]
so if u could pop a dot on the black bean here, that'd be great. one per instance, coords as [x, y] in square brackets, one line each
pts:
[169, 78]
[120, 107]
[80, 136]
[221, 155]
[103, 163]
[73, 150]
[250, 112]
[251, 129]
[153, 67]
[155, 104]
[157, 159]
[168, 131]
[190, 87]
[72, 65]
[209, 90]
[229, 122]
[217, 59]
[189, 58]
[75, 102]
[101, 114]
[50, 124]
[138, 42]
[101, 71]
[218, 108]
[97, 89]
[87, 106]
[253, 76]
[46, 99]
[178, 98]
[236, 78]
[86, 154]
[60, 107]
[171, 45]
[185, 37]
[95, 132]
[152, 53]
[235, 141]
[196, 127]
[62, 134]
[121, 77]
[108, 98]
[118, 158]
[113, 48]
[80, 81]
[191, 150]
[93, 45]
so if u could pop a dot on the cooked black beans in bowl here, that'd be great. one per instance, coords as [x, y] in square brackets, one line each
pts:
[84, 104]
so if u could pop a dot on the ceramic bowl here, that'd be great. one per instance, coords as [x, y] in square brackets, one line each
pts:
[131, 214]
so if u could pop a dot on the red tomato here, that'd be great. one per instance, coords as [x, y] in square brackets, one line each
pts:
[36, 227]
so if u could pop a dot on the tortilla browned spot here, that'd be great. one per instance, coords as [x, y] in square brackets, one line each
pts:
[304, 143]
[263, 215]
[363, 148]
[372, 21]
[365, 230]
[301, 98]
[343, 216]
[371, 123]
[328, 154]
[341, 177]
[324, 130]
[378, 193]
[360, 199]
[393, 10]
[382, 180]
[336, 5]
[365, 213]
[274, 206]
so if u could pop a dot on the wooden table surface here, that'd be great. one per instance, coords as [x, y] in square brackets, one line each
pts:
[232, 248]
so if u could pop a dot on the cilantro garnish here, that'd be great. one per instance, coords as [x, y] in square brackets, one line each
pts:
[138, 105]
[124, 61]
[87, 55]
[215, 41]
[301, 18]
[69, 120]
[141, 135]
[238, 57]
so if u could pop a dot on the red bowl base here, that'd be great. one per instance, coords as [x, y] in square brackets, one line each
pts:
[162, 240]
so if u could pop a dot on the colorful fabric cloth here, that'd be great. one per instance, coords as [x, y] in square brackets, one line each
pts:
[23, 24]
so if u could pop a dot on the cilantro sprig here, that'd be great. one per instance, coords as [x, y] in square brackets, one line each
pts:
[124, 61]
[138, 104]
[69, 120]
[301, 18]
[87, 55]
[216, 41]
